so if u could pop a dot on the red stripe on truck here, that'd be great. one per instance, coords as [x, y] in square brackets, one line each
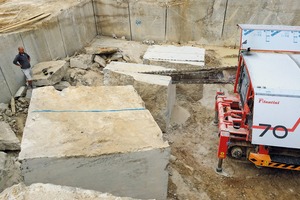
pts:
[289, 129]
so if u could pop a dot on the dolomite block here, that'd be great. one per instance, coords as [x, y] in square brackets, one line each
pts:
[157, 91]
[49, 73]
[98, 138]
[176, 57]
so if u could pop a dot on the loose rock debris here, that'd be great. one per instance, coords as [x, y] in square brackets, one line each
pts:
[50, 192]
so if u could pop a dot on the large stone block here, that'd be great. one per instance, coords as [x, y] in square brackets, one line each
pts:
[157, 91]
[99, 138]
[176, 57]
[50, 192]
[8, 139]
[49, 73]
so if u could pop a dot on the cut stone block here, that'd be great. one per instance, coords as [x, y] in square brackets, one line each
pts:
[50, 192]
[8, 139]
[82, 61]
[157, 91]
[174, 56]
[49, 73]
[99, 138]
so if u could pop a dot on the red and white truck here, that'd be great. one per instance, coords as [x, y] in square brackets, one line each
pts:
[261, 121]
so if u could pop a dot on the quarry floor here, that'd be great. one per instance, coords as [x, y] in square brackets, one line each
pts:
[193, 142]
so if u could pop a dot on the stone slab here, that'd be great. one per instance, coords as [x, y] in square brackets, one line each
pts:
[50, 192]
[8, 139]
[157, 91]
[175, 56]
[99, 138]
[148, 20]
[21, 92]
[101, 50]
[112, 18]
[55, 72]
[98, 59]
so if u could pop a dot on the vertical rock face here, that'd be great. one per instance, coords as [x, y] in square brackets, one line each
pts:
[8, 139]
[208, 22]
[157, 91]
[50, 192]
[99, 138]
[195, 20]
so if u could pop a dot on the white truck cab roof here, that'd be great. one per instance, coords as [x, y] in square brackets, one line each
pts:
[274, 73]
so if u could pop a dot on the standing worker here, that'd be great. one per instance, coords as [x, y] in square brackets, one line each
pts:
[22, 60]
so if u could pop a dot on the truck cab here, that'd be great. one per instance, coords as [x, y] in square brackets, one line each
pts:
[260, 122]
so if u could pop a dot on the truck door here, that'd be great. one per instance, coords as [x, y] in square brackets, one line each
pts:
[243, 84]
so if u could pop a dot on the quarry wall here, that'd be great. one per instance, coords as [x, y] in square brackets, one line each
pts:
[205, 21]
[58, 37]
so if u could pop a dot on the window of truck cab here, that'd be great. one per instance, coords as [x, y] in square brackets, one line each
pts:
[243, 83]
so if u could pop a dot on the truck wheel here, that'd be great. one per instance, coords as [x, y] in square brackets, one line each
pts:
[236, 152]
